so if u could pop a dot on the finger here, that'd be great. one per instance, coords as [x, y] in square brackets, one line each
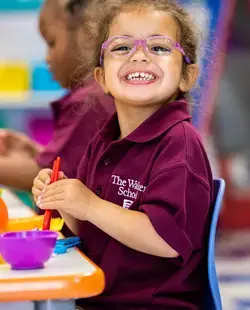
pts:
[3, 133]
[53, 198]
[56, 184]
[45, 176]
[36, 192]
[16, 135]
[39, 184]
[61, 176]
[51, 202]
[47, 192]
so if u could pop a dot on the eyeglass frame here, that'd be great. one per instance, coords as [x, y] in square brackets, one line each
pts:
[143, 43]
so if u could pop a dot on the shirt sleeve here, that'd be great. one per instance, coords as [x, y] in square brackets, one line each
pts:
[177, 202]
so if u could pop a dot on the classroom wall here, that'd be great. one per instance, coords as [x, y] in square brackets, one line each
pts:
[26, 86]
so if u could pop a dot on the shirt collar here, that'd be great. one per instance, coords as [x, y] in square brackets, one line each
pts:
[64, 100]
[158, 123]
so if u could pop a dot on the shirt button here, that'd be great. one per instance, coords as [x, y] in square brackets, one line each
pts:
[98, 191]
[107, 161]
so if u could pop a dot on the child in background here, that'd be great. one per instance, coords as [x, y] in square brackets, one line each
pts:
[144, 189]
[77, 116]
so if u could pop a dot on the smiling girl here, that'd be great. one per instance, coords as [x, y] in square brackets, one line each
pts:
[151, 243]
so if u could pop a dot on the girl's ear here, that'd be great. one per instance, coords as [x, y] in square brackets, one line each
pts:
[191, 76]
[99, 74]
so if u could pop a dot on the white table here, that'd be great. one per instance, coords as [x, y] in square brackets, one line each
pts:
[15, 207]
[65, 277]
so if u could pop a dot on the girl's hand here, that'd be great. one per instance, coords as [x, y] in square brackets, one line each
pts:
[16, 142]
[70, 196]
[42, 180]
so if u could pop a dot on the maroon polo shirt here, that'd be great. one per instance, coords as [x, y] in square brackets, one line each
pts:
[162, 170]
[77, 118]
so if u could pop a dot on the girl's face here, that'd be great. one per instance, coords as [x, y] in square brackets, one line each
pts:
[166, 72]
[61, 42]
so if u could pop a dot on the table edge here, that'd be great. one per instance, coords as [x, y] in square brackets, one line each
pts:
[55, 287]
[63, 287]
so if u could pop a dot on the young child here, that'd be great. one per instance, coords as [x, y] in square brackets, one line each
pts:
[77, 116]
[141, 202]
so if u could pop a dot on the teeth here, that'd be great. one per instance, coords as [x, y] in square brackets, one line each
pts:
[142, 76]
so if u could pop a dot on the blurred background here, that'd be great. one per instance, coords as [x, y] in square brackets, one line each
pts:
[221, 112]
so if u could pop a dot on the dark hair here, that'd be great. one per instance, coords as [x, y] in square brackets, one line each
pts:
[71, 10]
[73, 6]
[100, 13]
[74, 10]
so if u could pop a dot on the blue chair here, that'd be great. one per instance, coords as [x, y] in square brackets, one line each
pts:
[212, 294]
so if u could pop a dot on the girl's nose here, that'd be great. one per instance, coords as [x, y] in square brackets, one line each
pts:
[140, 54]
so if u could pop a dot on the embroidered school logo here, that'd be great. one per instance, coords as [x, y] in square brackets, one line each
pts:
[127, 203]
[128, 188]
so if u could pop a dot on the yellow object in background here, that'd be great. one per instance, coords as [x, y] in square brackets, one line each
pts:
[34, 222]
[14, 80]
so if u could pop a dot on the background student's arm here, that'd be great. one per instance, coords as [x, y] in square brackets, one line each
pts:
[18, 167]
[18, 171]
[14, 141]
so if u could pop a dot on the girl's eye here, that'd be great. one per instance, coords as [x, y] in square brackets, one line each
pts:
[160, 49]
[122, 49]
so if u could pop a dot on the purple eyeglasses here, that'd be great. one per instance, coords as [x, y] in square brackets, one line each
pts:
[125, 46]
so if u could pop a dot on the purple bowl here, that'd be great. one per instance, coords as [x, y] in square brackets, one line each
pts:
[27, 249]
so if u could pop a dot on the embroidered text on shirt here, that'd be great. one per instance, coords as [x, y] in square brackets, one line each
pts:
[128, 188]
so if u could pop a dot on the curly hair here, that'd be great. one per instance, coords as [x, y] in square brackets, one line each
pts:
[99, 14]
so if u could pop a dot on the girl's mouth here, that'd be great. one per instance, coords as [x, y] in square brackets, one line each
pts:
[140, 78]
